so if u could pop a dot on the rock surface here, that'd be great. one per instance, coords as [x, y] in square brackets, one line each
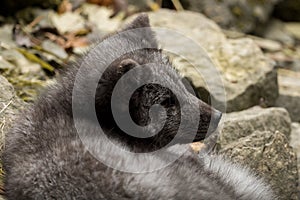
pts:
[276, 30]
[295, 139]
[107, 24]
[242, 15]
[236, 65]
[259, 138]
[240, 124]
[67, 22]
[295, 143]
[268, 154]
[294, 29]
[289, 92]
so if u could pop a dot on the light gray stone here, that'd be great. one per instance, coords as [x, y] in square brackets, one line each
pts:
[270, 155]
[295, 143]
[21, 62]
[293, 28]
[267, 45]
[276, 30]
[240, 15]
[99, 17]
[6, 36]
[241, 124]
[67, 22]
[55, 49]
[289, 92]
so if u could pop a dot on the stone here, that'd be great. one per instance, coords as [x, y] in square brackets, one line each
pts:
[21, 62]
[244, 16]
[232, 72]
[241, 124]
[267, 45]
[6, 36]
[100, 18]
[294, 29]
[5, 65]
[289, 92]
[270, 156]
[275, 30]
[54, 49]
[67, 22]
[295, 143]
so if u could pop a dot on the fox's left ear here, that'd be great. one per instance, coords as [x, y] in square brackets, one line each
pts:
[142, 25]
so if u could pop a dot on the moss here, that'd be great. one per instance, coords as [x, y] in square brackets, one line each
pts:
[25, 85]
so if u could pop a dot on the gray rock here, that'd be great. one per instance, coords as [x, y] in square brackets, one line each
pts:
[216, 64]
[276, 30]
[268, 154]
[295, 139]
[267, 45]
[294, 29]
[289, 92]
[99, 17]
[240, 15]
[20, 61]
[295, 143]
[241, 124]
[67, 22]
[6, 36]
[55, 49]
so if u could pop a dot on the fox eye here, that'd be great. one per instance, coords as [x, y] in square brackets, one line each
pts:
[168, 102]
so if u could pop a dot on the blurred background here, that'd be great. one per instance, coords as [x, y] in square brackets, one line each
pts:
[253, 44]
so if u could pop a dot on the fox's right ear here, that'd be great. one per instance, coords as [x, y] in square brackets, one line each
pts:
[141, 21]
[142, 25]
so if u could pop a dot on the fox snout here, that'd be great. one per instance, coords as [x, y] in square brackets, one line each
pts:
[214, 121]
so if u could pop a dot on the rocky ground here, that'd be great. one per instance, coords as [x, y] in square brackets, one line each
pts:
[255, 80]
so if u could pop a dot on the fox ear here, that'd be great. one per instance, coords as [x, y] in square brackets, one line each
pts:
[141, 21]
[126, 65]
[142, 24]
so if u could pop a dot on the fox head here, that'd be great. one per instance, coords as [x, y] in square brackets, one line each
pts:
[140, 98]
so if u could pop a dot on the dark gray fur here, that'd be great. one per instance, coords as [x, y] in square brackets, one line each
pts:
[45, 159]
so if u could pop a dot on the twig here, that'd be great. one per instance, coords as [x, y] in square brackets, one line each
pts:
[4, 108]
[35, 59]
[35, 21]
[177, 5]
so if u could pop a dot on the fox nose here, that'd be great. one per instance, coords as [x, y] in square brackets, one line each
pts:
[215, 119]
[217, 115]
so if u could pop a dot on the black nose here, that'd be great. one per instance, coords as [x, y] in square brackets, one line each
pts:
[214, 122]
[217, 115]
